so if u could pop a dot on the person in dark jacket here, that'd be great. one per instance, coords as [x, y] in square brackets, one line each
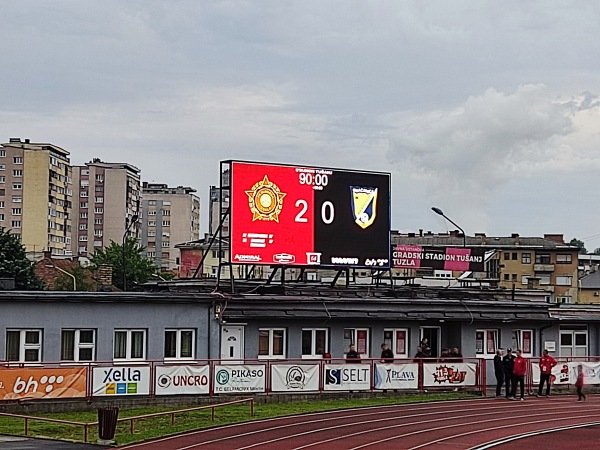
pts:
[352, 356]
[419, 355]
[499, 372]
[508, 363]
[519, 371]
[387, 355]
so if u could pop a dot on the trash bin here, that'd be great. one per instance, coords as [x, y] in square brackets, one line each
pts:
[107, 423]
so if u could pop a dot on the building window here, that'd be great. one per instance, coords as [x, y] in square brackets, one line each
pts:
[3, 179]
[99, 199]
[18, 160]
[1, 216]
[130, 344]
[486, 343]
[218, 254]
[17, 172]
[359, 337]
[523, 340]
[166, 212]
[574, 341]
[2, 166]
[507, 277]
[83, 238]
[514, 277]
[78, 345]
[179, 344]
[315, 342]
[152, 213]
[166, 223]
[98, 221]
[17, 199]
[165, 243]
[544, 279]
[542, 258]
[564, 299]
[1, 203]
[16, 211]
[83, 204]
[152, 223]
[564, 258]
[525, 258]
[271, 343]
[15, 224]
[2, 153]
[17, 186]
[84, 194]
[83, 215]
[525, 279]
[24, 345]
[515, 256]
[564, 280]
[506, 256]
[397, 340]
[83, 226]
[151, 202]
[151, 233]
[98, 210]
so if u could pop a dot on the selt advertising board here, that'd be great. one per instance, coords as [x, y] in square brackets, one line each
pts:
[292, 215]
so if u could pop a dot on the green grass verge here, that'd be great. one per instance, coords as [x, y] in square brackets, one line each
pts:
[195, 420]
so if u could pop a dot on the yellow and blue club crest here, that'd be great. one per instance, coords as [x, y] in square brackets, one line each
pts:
[364, 205]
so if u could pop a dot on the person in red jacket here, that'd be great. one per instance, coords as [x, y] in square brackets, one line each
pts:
[519, 370]
[547, 362]
[579, 383]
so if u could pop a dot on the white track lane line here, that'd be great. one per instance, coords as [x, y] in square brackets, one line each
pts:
[440, 405]
[472, 432]
[387, 427]
[531, 434]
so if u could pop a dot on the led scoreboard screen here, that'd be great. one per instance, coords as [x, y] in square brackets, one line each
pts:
[292, 215]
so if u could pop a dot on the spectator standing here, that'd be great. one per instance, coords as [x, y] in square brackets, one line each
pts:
[425, 348]
[508, 363]
[352, 356]
[419, 355]
[519, 371]
[499, 372]
[579, 383]
[547, 362]
[456, 355]
[387, 355]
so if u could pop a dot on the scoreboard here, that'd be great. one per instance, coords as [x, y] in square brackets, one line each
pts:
[295, 215]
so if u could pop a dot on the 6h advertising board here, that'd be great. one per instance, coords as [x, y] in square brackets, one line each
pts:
[292, 215]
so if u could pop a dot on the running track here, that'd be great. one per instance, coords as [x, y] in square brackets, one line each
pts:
[558, 422]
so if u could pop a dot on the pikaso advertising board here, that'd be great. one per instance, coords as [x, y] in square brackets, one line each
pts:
[293, 215]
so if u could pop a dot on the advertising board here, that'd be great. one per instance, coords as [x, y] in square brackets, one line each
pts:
[42, 383]
[239, 378]
[440, 258]
[174, 380]
[121, 380]
[293, 215]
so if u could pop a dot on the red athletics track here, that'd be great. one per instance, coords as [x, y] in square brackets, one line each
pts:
[459, 424]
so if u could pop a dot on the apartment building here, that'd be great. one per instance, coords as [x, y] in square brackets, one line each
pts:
[170, 215]
[106, 205]
[513, 262]
[35, 195]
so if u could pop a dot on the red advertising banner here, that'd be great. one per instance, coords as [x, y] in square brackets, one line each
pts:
[440, 258]
[42, 383]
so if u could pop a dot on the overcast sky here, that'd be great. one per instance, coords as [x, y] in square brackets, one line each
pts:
[489, 110]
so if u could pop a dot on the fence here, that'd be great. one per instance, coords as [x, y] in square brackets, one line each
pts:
[214, 377]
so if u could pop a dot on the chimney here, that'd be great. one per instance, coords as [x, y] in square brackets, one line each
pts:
[481, 236]
[104, 274]
[420, 232]
[515, 236]
[555, 237]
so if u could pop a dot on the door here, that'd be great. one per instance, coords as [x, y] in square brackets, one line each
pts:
[232, 342]
[432, 334]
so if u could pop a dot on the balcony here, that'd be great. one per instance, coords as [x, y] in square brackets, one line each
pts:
[543, 267]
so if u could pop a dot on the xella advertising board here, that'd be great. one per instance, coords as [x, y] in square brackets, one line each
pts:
[121, 380]
[42, 383]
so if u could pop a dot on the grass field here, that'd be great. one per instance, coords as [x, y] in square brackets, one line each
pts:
[161, 426]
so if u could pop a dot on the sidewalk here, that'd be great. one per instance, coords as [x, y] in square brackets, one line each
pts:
[25, 443]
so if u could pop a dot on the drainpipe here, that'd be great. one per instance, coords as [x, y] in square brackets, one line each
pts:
[541, 336]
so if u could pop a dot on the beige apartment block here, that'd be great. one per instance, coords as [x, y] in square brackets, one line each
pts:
[106, 205]
[35, 195]
[171, 215]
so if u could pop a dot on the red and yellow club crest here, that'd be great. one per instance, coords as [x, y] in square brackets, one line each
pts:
[265, 200]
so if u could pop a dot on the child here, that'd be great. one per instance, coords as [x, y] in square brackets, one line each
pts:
[579, 383]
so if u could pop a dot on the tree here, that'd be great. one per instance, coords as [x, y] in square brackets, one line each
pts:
[579, 244]
[14, 263]
[128, 260]
[597, 251]
[64, 282]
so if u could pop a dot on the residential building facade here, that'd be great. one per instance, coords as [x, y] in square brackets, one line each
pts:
[106, 205]
[170, 215]
[36, 195]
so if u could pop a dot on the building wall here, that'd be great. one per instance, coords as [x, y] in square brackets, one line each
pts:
[105, 317]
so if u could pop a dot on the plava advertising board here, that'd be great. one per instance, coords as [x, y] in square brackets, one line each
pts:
[397, 376]
[294, 215]
[173, 380]
[42, 383]
[294, 377]
[239, 378]
[343, 377]
[121, 380]
[440, 258]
